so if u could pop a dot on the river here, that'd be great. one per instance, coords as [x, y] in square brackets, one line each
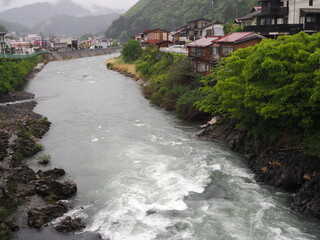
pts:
[140, 172]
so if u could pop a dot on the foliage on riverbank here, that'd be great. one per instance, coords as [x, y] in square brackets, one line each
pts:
[272, 89]
[14, 72]
[170, 84]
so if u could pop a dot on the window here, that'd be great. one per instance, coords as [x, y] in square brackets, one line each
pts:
[215, 50]
[263, 21]
[200, 52]
[202, 67]
[227, 50]
[268, 21]
[310, 19]
[310, 2]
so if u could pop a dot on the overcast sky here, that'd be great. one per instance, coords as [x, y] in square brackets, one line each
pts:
[115, 4]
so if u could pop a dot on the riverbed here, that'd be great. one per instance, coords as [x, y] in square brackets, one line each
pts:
[141, 173]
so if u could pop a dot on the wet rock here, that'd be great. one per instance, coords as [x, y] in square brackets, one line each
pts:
[60, 189]
[12, 225]
[37, 217]
[52, 173]
[24, 174]
[70, 225]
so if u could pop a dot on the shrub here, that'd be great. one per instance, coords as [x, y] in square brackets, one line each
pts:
[131, 51]
[43, 159]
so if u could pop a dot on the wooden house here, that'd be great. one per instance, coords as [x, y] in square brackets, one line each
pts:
[200, 52]
[223, 46]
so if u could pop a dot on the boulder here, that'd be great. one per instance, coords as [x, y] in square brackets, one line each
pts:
[39, 216]
[60, 189]
[70, 225]
[24, 174]
[52, 173]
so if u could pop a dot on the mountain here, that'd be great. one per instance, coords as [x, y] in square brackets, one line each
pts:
[14, 27]
[32, 14]
[69, 26]
[171, 14]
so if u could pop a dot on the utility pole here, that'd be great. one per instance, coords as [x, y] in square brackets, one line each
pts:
[213, 15]
[237, 9]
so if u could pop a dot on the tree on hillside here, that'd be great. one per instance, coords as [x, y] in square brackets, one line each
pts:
[272, 88]
[3, 28]
[86, 36]
[131, 51]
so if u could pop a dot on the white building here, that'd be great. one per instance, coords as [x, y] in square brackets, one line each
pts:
[217, 30]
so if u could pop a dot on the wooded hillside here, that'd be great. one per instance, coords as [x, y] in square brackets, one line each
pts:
[171, 14]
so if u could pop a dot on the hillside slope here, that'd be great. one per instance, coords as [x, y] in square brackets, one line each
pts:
[69, 26]
[171, 14]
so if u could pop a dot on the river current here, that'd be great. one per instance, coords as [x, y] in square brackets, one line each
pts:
[141, 174]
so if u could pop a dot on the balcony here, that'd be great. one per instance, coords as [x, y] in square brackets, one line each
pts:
[280, 28]
[274, 10]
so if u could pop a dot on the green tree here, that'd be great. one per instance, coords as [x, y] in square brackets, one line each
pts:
[124, 36]
[272, 88]
[86, 36]
[231, 28]
[131, 51]
[3, 28]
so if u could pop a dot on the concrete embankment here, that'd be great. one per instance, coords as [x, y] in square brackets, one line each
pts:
[58, 56]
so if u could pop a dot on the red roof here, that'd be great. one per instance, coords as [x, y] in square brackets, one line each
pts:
[203, 42]
[238, 37]
[153, 30]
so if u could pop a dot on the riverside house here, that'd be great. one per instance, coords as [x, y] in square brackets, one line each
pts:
[206, 52]
[223, 46]
[155, 36]
[200, 52]
[283, 17]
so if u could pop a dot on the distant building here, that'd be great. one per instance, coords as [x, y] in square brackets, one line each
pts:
[158, 37]
[251, 19]
[193, 29]
[217, 30]
[33, 37]
[2, 42]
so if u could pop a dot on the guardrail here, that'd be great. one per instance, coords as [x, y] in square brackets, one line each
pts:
[16, 56]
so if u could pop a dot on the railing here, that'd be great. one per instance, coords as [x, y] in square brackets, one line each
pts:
[290, 28]
[275, 10]
[15, 56]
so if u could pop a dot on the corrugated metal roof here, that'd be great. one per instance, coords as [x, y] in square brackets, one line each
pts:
[238, 37]
[203, 42]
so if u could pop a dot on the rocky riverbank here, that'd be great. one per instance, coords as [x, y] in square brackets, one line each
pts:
[278, 164]
[281, 165]
[27, 197]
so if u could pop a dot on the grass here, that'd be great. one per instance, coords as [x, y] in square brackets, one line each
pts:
[119, 65]
[44, 159]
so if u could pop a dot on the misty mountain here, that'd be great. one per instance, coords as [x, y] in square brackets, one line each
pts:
[32, 14]
[14, 27]
[69, 26]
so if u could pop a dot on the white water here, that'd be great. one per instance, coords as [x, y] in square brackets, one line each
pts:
[140, 173]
